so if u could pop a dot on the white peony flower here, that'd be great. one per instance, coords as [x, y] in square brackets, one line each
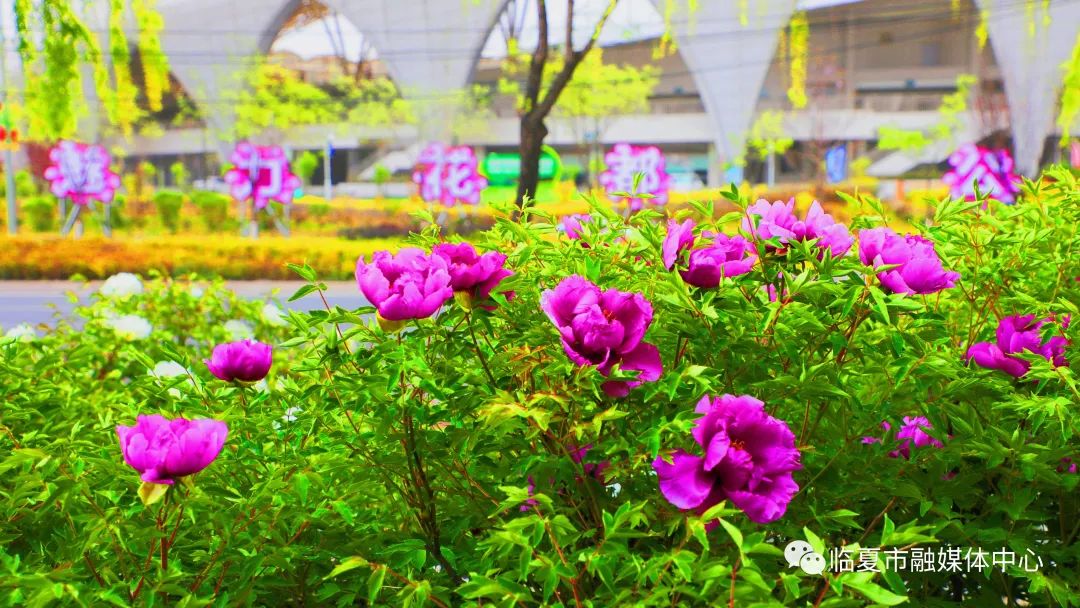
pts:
[290, 416]
[131, 327]
[273, 315]
[24, 332]
[168, 369]
[239, 330]
[121, 285]
[171, 369]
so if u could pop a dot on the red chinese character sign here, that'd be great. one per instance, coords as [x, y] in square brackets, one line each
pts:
[991, 170]
[261, 174]
[624, 161]
[449, 175]
[81, 173]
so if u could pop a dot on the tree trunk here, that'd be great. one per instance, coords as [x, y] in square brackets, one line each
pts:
[533, 132]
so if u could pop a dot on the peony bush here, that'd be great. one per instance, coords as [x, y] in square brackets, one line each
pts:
[595, 412]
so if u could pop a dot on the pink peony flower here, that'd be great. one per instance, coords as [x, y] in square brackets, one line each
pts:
[604, 328]
[778, 221]
[1017, 334]
[725, 256]
[912, 433]
[408, 285]
[920, 270]
[163, 450]
[474, 274]
[572, 225]
[592, 469]
[680, 238]
[748, 457]
[243, 361]
[720, 256]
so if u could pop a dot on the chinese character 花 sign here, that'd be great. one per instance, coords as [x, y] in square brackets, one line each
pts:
[449, 175]
[262, 174]
[624, 161]
[992, 170]
[81, 172]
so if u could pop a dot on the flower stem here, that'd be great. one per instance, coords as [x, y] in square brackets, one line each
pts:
[479, 355]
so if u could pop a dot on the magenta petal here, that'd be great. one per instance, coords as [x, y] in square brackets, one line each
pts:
[684, 482]
[645, 359]
[766, 507]
[616, 389]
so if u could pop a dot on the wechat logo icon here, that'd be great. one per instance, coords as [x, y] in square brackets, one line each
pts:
[800, 553]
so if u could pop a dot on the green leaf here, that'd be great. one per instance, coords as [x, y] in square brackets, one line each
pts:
[734, 532]
[886, 529]
[815, 541]
[303, 291]
[875, 593]
[344, 511]
[349, 563]
[880, 305]
[302, 485]
[374, 583]
[306, 272]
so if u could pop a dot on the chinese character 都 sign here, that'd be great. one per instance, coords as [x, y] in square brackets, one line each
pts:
[624, 161]
[261, 174]
[449, 175]
[992, 170]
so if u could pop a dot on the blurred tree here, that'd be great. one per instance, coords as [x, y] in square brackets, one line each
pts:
[1070, 95]
[54, 43]
[277, 98]
[544, 85]
[953, 107]
[600, 92]
[543, 88]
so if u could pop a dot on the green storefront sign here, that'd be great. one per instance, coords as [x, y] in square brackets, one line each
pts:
[503, 168]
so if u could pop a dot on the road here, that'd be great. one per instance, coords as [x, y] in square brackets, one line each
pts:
[38, 302]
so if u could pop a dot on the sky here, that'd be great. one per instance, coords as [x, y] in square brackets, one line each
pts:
[631, 20]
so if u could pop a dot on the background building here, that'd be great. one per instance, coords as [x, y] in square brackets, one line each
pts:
[871, 64]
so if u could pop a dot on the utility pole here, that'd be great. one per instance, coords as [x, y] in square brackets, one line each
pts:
[328, 153]
[9, 154]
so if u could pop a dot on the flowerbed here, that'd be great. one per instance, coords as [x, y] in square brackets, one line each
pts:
[650, 413]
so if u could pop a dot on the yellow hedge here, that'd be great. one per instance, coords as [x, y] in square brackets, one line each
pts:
[231, 257]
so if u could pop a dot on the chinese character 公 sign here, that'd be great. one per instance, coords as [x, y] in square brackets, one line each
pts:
[81, 173]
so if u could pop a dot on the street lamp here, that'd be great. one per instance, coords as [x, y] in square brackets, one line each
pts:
[9, 143]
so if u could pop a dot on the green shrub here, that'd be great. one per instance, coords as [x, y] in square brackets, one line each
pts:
[118, 216]
[180, 175]
[304, 166]
[41, 212]
[213, 207]
[476, 455]
[381, 178]
[169, 204]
